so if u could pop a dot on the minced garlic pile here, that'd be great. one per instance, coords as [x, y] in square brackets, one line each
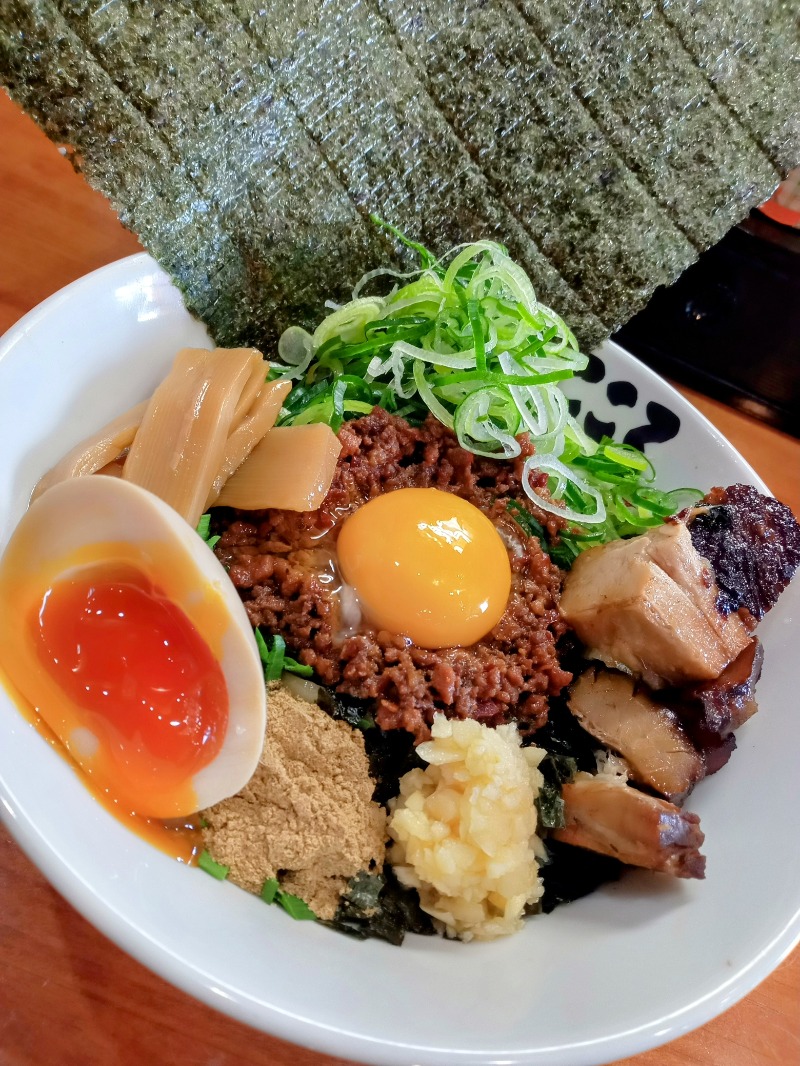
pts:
[465, 828]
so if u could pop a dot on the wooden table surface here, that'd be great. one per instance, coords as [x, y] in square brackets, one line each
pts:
[68, 995]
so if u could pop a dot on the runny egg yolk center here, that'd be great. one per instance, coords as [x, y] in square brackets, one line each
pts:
[145, 701]
[427, 565]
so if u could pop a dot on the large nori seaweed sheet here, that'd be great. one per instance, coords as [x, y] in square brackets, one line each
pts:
[651, 94]
[750, 51]
[247, 143]
[44, 68]
[541, 149]
[296, 229]
[394, 149]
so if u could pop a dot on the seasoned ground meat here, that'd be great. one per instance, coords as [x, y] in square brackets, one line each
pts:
[284, 565]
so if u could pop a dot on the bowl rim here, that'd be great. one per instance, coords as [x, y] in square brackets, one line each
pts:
[294, 1027]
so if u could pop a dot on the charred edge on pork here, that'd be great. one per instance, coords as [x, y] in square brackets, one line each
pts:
[751, 540]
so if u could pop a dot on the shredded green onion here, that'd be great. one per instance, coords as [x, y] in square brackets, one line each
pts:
[203, 528]
[270, 890]
[464, 338]
[215, 869]
[293, 905]
[276, 660]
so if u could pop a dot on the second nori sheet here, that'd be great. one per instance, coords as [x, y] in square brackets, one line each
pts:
[247, 143]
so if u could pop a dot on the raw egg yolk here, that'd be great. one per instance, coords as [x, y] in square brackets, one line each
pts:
[427, 565]
[145, 701]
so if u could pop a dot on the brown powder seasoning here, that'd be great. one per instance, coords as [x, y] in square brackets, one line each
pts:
[306, 816]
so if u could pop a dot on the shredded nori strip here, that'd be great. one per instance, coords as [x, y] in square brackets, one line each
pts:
[391, 754]
[572, 873]
[377, 905]
[555, 769]
[565, 738]
[356, 712]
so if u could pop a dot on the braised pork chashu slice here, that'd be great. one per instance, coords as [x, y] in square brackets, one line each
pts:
[605, 814]
[649, 604]
[625, 718]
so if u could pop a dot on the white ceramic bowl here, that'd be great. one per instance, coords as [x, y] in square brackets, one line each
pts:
[633, 966]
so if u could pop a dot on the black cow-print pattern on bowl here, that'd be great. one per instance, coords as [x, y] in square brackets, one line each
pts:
[608, 404]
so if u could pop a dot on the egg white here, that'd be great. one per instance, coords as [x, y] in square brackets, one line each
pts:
[108, 520]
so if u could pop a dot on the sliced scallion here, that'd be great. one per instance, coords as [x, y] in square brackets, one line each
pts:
[275, 659]
[295, 907]
[215, 869]
[466, 339]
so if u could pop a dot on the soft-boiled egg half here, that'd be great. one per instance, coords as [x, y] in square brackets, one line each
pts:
[124, 632]
[426, 564]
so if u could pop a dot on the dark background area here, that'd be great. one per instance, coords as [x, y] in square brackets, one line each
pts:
[730, 326]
